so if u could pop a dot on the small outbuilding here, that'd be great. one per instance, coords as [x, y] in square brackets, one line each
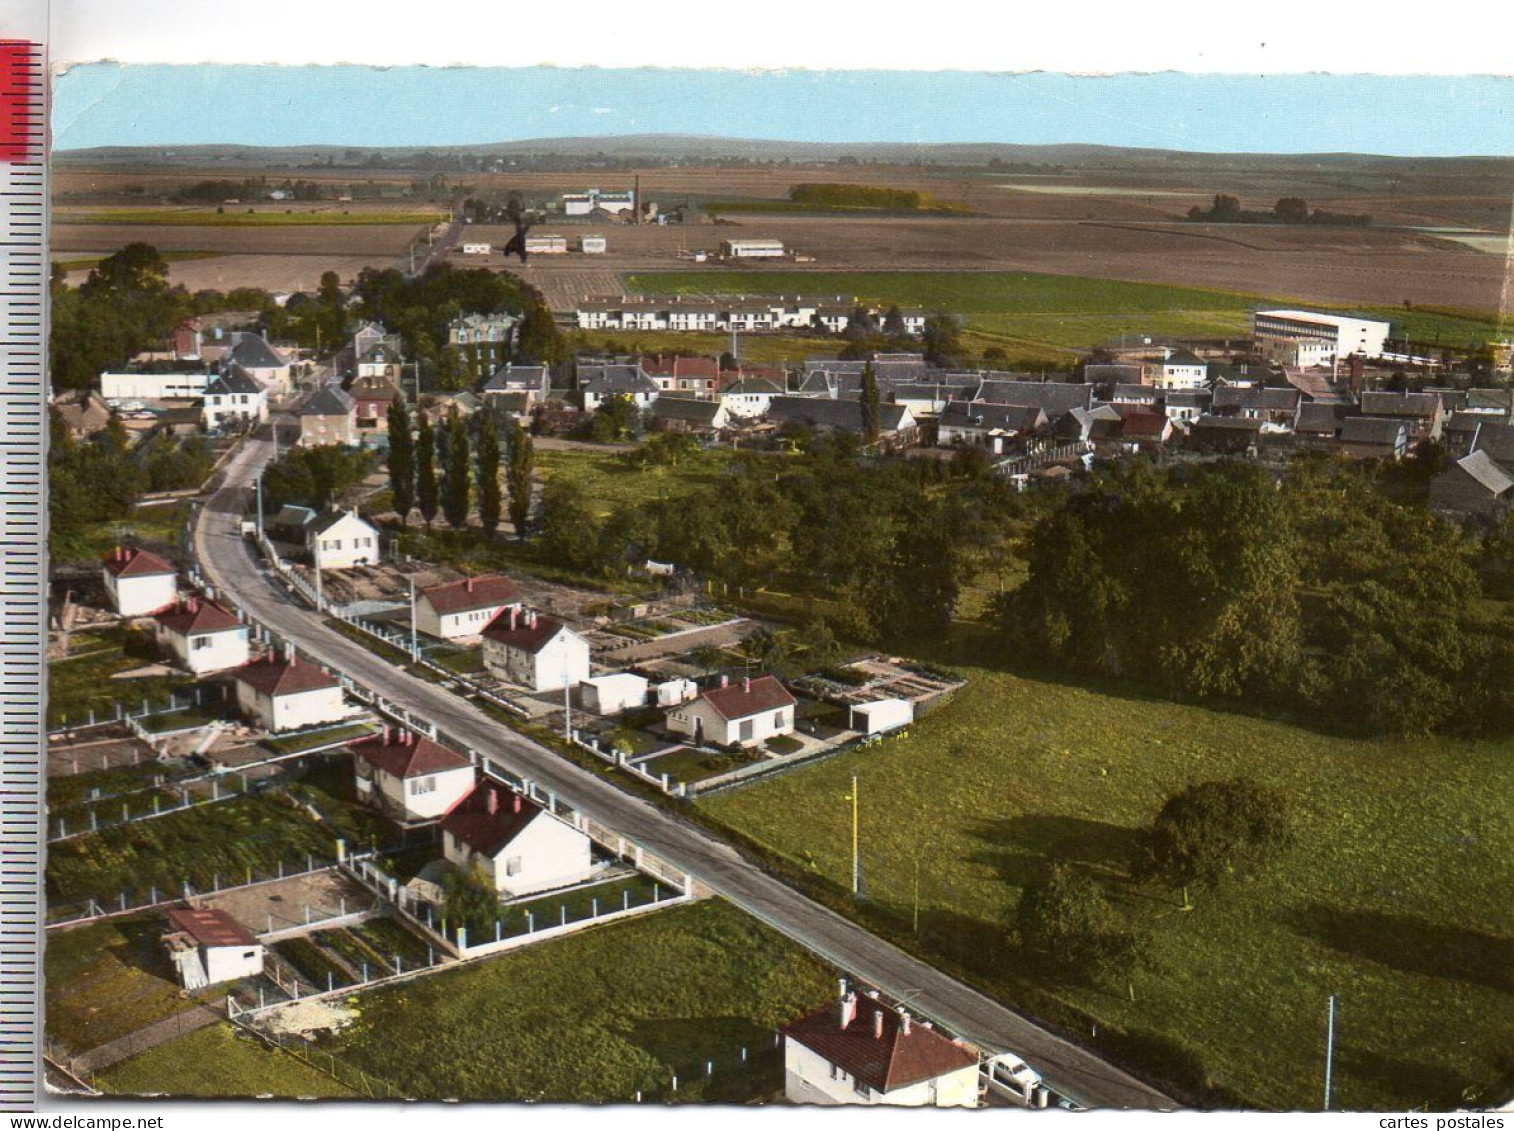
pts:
[611, 694]
[881, 715]
[208, 946]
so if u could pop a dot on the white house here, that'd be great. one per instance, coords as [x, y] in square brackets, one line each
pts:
[288, 694]
[611, 694]
[261, 362]
[516, 843]
[861, 1051]
[881, 715]
[139, 583]
[736, 714]
[202, 636]
[207, 946]
[537, 652]
[750, 396]
[234, 397]
[463, 608]
[328, 416]
[340, 540]
[408, 777]
[1180, 370]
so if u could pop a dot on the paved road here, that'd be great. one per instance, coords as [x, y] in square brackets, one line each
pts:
[230, 564]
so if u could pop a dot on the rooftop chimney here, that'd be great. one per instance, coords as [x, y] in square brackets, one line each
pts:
[725, 680]
[469, 584]
[493, 799]
[289, 653]
[517, 803]
[904, 1020]
[877, 1023]
[388, 734]
[514, 613]
[746, 685]
[848, 1009]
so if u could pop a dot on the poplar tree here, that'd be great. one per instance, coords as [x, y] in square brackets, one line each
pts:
[518, 475]
[401, 459]
[869, 404]
[455, 487]
[490, 495]
[425, 469]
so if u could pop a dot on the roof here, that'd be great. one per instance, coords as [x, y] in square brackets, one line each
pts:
[273, 676]
[209, 926]
[748, 697]
[1321, 416]
[516, 378]
[1480, 467]
[530, 633]
[1258, 397]
[749, 386]
[234, 380]
[330, 519]
[374, 387]
[328, 400]
[1183, 357]
[1498, 441]
[989, 417]
[490, 817]
[822, 412]
[1228, 424]
[1056, 397]
[1117, 373]
[405, 754]
[1371, 430]
[254, 352]
[133, 561]
[706, 367]
[1149, 394]
[196, 617]
[1400, 404]
[603, 380]
[686, 408]
[1145, 424]
[886, 1058]
[470, 594]
[1187, 398]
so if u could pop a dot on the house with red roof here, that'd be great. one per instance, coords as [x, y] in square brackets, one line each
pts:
[536, 652]
[202, 636]
[861, 1051]
[287, 694]
[408, 777]
[463, 608]
[513, 841]
[744, 713]
[207, 946]
[138, 583]
[691, 376]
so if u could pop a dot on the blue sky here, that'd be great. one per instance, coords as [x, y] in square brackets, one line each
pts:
[111, 104]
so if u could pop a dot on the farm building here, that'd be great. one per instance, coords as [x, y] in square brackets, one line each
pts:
[208, 946]
[1373, 437]
[546, 245]
[736, 714]
[752, 249]
[287, 694]
[476, 249]
[593, 245]
[688, 414]
[234, 397]
[516, 843]
[340, 540]
[611, 694]
[539, 653]
[463, 608]
[138, 583]
[880, 715]
[408, 777]
[202, 636]
[860, 1051]
[584, 203]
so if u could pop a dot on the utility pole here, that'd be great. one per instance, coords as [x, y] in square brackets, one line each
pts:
[414, 646]
[1329, 1048]
[259, 487]
[856, 843]
[917, 893]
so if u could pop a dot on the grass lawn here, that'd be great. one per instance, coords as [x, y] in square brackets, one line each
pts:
[225, 839]
[84, 683]
[151, 525]
[218, 1062]
[309, 740]
[597, 1016]
[580, 903]
[611, 481]
[1397, 895]
[108, 979]
[328, 783]
[239, 217]
[691, 765]
[89, 263]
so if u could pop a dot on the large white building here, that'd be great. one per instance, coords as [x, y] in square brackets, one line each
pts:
[288, 694]
[138, 583]
[202, 636]
[736, 714]
[463, 608]
[341, 540]
[583, 203]
[752, 249]
[234, 398]
[536, 652]
[1305, 338]
[207, 946]
[861, 1051]
[155, 383]
[408, 777]
[516, 843]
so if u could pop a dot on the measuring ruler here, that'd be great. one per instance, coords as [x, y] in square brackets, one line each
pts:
[23, 556]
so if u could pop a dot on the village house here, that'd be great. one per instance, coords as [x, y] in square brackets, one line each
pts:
[260, 361]
[1373, 437]
[598, 383]
[749, 397]
[463, 608]
[83, 412]
[688, 414]
[488, 337]
[1184, 406]
[1422, 413]
[138, 583]
[514, 842]
[1057, 398]
[340, 539]
[1139, 431]
[1225, 435]
[991, 426]
[372, 394]
[690, 376]
[539, 653]
[207, 947]
[234, 398]
[368, 335]
[327, 416]
[288, 694]
[1473, 486]
[382, 361]
[1179, 369]
[1498, 441]
[408, 777]
[896, 424]
[744, 713]
[533, 382]
[861, 1051]
[1460, 432]
[1276, 407]
[202, 636]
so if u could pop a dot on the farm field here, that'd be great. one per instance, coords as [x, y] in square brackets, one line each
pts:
[639, 1000]
[1013, 774]
[239, 217]
[217, 1061]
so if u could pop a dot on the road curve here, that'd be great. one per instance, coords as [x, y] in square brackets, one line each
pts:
[228, 562]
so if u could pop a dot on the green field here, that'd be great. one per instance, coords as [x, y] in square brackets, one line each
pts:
[598, 1016]
[1040, 316]
[84, 681]
[237, 216]
[811, 208]
[611, 481]
[1397, 895]
[218, 1062]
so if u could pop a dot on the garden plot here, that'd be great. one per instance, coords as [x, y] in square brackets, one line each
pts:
[95, 749]
[293, 904]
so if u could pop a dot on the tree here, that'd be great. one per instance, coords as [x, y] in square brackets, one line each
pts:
[401, 459]
[456, 488]
[1291, 210]
[425, 469]
[490, 498]
[518, 475]
[1213, 829]
[1068, 925]
[893, 322]
[616, 419]
[869, 404]
[569, 526]
[470, 901]
[995, 358]
[941, 340]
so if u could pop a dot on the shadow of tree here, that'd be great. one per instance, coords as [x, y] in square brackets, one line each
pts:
[1412, 944]
[1414, 1083]
[1022, 848]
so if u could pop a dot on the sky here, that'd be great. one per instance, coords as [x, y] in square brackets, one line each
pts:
[111, 103]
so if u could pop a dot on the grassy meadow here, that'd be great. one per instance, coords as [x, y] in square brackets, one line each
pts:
[216, 1061]
[1396, 895]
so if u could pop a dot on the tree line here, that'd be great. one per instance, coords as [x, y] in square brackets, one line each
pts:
[446, 468]
[1317, 592]
[1288, 210]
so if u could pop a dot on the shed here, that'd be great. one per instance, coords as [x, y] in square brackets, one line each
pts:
[611, 694]
[881, 715]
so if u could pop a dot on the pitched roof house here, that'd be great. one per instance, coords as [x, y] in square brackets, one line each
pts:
[1373, 437]
[233, 396]
[514, 842]
[537, 652]
[408, 777]
[288, 694]
[464, 607]
[742, 713]
[138, 583]
[688, 414]
[202, 636]
[327, 416]
[1473, 485]
[340, 539]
